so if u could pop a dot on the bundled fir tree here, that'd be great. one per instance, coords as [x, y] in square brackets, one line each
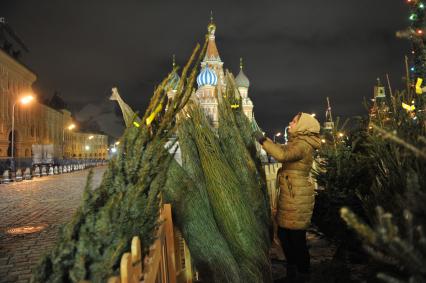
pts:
[186, 190]
[214, 192]
[231, 209]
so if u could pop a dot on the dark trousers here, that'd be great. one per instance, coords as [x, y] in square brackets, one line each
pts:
[295, 248]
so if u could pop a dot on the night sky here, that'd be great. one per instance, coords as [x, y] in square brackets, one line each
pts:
[296, 53]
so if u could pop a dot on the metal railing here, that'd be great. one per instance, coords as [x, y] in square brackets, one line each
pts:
[25, 169]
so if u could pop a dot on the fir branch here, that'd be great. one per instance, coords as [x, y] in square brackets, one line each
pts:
[394, 138]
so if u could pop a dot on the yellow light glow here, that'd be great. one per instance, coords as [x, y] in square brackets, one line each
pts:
[323, 140]
[341, 134]
[278, 134]
[117, 143]
[26, 99]
[313, 114]
[87, 147]
[91, 137]
[70, 127]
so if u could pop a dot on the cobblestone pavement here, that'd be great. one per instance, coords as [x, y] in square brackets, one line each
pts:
[31, 213]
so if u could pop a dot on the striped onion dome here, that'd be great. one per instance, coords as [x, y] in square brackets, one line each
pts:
[175, 79]
[173, 82]
[207, 76]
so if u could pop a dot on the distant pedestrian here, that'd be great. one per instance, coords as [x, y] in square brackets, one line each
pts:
[296, 199]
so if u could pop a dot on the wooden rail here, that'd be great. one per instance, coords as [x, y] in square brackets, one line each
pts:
[168, 260]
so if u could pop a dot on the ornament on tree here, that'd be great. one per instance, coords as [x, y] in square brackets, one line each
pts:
[419, 88]
[408, 107]
[151, 117]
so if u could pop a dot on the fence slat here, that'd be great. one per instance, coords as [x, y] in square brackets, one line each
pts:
[126, 268]
[136, 251]
[170, 243]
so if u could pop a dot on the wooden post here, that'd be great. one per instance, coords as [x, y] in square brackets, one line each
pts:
[136, 258]
[188, 265]
[170, 243]
[126, 268]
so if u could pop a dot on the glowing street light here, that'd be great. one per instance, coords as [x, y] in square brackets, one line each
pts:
[313, 115]
[87, 147]
[24, 100]
[91, 137]
[341, 135]
[70, 127]
[277, 135]
[114, 147]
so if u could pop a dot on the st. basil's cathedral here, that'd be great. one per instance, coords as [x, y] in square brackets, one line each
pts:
[212, 75]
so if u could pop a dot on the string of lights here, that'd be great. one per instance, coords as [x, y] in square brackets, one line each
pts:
[417, 37]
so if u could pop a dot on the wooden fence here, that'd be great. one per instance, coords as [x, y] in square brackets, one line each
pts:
[168, 260]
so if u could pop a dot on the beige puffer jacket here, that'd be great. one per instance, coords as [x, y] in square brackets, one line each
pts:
[297, 199]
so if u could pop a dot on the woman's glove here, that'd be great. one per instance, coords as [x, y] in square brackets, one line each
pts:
[258, 135]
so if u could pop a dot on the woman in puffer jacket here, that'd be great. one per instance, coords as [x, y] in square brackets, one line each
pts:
[296, 200]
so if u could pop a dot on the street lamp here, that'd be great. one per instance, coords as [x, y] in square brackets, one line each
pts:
[91, 154]
[277, 135]
[23, 100]
[69, 128]
[286, 134]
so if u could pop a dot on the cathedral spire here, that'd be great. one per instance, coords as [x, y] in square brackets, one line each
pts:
[211, 54]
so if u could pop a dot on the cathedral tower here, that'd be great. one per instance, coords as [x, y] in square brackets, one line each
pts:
[211, 74]
[243, 85]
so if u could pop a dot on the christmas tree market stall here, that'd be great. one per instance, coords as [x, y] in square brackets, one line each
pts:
[190, 167]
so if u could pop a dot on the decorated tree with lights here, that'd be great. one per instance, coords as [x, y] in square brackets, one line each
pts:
[415, 33]
[416, 67]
